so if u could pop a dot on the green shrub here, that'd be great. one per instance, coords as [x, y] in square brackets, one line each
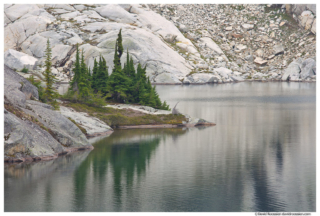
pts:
[37, 83]
[25, 70]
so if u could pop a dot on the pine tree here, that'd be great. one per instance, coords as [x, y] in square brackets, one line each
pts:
[94, 76]
[105, 68]
[152, 101]
[81, 89]
[142, 93]
[165, 106]
[49, 93]
[83, 83]
[120, 47]
[89, 76]
[118, 84]
[157, 98]
[131, 69]
[148, 85]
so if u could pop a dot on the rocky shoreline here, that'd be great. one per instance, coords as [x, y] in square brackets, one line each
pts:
[33, 131]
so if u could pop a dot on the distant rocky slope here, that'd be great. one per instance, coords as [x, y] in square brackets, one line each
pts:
[179, 43]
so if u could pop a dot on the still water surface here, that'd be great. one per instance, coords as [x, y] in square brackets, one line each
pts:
[259, 157]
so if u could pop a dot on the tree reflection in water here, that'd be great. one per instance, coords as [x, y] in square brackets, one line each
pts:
[127, 153]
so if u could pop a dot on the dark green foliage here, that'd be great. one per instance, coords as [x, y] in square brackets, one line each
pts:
[165, 106]
[82, 84]
[49, 94]
[124, 85]
[94, 99]
[37, 83]
[83, 80]
[102, 76]
[94, 75]
[25, 70]
[119, 42]
[119, 83]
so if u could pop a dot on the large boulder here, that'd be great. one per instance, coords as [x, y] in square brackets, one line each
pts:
[203, 78]
[64, 131]
[117, 14]
[18, 60]
[25, 140]
[308, 68]
[292, 71]
[278, 49]
[306, 19]
[299, 8]
[17, 89]
[223, 72]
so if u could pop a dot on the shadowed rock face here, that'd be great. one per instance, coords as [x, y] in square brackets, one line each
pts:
[33, 130]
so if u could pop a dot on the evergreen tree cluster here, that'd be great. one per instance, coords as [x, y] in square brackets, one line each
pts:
[80, 89]
[124, 85]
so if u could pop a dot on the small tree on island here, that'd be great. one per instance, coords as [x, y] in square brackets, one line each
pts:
[50, 94]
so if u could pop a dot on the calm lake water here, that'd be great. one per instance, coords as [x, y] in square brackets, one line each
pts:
[261, 156]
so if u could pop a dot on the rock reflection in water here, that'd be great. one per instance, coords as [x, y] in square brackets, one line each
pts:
[37, 186]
